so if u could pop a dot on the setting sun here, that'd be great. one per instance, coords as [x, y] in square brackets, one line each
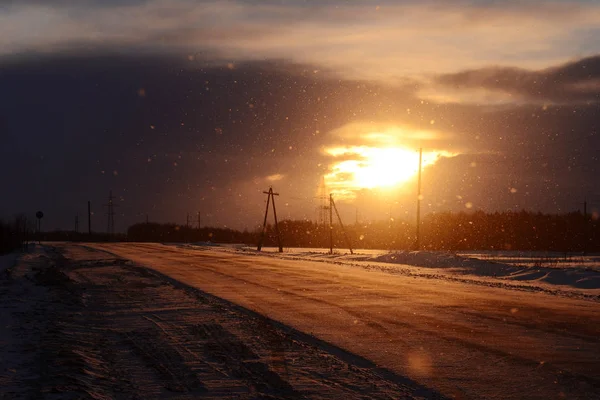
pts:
[364, 167]
[378, 156]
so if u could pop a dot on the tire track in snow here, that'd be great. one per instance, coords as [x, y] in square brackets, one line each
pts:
[526, 348]
[161, 340]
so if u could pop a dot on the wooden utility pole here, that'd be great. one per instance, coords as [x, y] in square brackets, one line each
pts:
[341, 225]
[264, 228]
[270, 197]
[330, 223]
[418, 241]
[276, 224]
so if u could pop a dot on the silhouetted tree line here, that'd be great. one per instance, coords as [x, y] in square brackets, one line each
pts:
[16, 234]
[372, 235]
[72, 236]
[154, 232]
[572, 232]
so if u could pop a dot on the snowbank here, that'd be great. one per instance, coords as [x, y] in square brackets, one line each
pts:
[582, 278]
[440, 264]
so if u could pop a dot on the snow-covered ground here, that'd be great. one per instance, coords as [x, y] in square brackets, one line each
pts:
[458, 333]
[549, 259]
[575, 275]
[80, 323]
[22, 321]
[125, 320]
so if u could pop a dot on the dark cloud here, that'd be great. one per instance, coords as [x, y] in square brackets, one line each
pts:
[171, 136]
[574, 82]
[163, 133]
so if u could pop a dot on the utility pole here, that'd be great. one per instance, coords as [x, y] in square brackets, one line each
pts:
[341, 225]
[198, 220]
[187, 220]
[89, 219]
[418, 241]
[330, 223]
[276, 224]
[264, 228]
[270, 197]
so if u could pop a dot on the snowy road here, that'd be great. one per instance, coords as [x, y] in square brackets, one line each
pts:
[465, 341]
[78, 323]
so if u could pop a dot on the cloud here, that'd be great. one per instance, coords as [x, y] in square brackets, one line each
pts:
[226, 127]
[573, 82]
[274, 177]
[387, 41]
[390, 134]
[373, 156]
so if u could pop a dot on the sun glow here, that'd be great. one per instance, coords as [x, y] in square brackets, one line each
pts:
[364, 167]
[381, 157]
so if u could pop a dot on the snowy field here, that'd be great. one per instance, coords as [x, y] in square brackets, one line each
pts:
[463, 335]
[548, 259]
[570, 275]
[77, 323]
[147, 320]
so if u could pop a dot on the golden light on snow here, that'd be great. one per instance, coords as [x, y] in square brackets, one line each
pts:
[419, 363]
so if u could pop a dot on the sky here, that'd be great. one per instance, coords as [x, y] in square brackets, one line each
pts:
[182, 106]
